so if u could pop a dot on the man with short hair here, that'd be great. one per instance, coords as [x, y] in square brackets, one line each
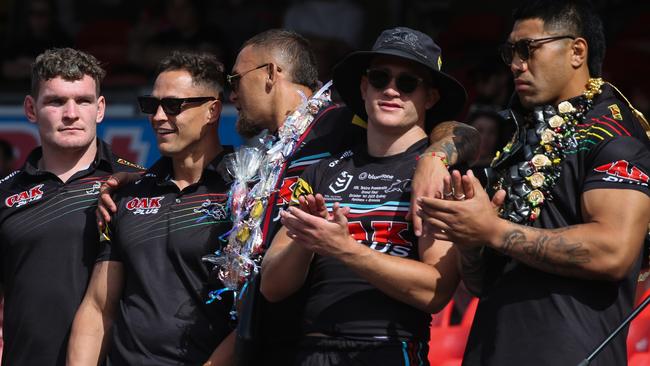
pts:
[556, 267]
[146, 302]
[370, 283]
[48, 236]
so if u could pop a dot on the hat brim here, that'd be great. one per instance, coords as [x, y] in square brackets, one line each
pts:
[347, 79]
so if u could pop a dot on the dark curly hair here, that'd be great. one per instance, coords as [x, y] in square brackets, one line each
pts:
[67, 63]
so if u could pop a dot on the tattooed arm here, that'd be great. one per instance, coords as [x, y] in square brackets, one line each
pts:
[604, 247]
[460, 143]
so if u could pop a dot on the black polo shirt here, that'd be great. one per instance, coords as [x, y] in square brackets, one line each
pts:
[160, 234]
[531, 317]
[48, 247]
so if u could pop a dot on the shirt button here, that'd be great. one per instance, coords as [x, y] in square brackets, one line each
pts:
[178, 200]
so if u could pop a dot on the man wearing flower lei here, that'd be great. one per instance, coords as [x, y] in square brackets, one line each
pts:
[370, 282]
[556, 264]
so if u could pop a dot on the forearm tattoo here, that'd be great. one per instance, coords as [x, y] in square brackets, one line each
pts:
[459, 141]
[546, 251]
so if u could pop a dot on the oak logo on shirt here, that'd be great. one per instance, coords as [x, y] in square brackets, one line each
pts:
[622, 171]
[144, 205]
[384, 236]
[25, 197]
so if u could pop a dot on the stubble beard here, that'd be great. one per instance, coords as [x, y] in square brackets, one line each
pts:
[248, 128]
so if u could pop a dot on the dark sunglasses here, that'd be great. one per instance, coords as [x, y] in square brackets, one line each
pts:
[171, 106]
[233, 80]
[405, 82]
[525, 47]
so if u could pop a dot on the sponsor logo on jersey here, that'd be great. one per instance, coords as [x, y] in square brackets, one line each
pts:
[341, 183]
[25, 197]
[302, 188]
[364, 176]
[144, 206]
[616, 112]
[215, 210]
[383, 236]
[622, 171]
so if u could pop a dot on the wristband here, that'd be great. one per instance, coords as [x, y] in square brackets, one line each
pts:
[442, 156]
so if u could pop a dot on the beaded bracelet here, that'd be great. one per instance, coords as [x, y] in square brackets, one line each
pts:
[440, 155]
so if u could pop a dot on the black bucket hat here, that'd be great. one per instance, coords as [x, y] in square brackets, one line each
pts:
[411, 45]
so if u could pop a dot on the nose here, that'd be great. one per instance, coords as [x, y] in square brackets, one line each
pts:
[70, 111]
[233, 96]
[391, 89]
[160, 115]
[517, 66]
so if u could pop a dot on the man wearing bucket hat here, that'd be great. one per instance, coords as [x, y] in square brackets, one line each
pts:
[370, 282]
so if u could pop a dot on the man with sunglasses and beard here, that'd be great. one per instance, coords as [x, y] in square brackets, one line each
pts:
[556, 267]
[370, 282]
[146, 302]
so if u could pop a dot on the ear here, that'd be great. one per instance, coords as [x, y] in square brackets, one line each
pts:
[433, 96]
[101, 108]
[579, 52]
[29, 106]
[214, 113]
[272, 75]
[363, 86]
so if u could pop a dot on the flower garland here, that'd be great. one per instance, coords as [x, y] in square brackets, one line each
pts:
[240, 259]
[528, 184]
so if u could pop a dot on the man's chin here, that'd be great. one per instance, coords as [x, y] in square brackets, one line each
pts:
[246, 128]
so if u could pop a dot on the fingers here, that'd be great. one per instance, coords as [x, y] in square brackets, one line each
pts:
[433, 205]
[417, 221]
[468, 187]
[457, 186]
[447, 190]
[339, 214]
[434, 222]
[498, 198]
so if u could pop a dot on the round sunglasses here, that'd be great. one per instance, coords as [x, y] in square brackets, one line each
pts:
[171, 106]
[405, 82]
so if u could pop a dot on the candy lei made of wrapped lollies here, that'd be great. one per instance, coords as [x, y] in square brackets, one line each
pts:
[239, 260]
[557, 134]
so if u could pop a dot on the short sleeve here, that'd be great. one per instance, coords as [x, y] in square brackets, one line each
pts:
[108, 244]
[618, 163]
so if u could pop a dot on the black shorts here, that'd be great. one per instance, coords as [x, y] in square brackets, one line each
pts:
[319, 351]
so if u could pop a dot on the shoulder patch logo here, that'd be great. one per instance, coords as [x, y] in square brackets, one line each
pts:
[128, 163]
[301, 188]
[616, 112]
[622, 171]
[341, 183]
[25, 197]
[145, 205]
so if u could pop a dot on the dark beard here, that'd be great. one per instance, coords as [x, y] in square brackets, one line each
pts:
[247, 128]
